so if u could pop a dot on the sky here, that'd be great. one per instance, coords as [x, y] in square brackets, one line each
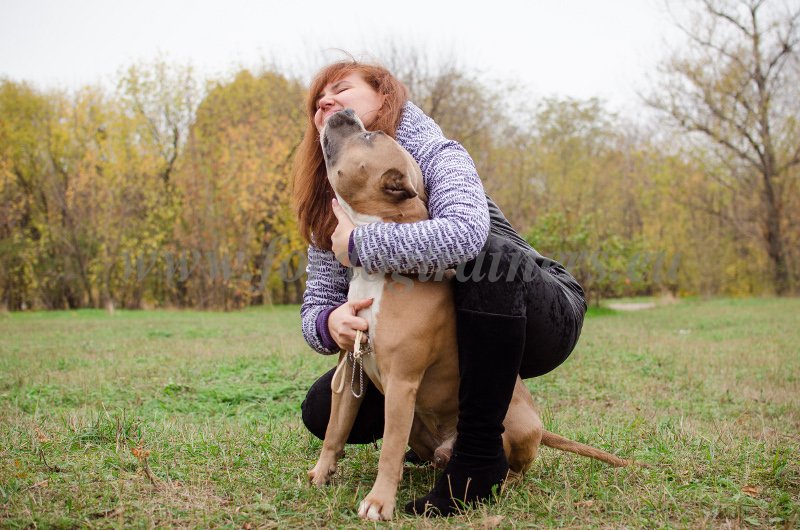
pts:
[567, 48]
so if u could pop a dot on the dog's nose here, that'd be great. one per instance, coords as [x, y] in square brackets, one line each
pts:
[343, 118]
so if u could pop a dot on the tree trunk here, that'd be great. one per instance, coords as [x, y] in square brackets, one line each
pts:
[774, 239]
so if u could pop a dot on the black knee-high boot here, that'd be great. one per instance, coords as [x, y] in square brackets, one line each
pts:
[490, 348]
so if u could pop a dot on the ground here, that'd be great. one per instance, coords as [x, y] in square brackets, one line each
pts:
[187, 419]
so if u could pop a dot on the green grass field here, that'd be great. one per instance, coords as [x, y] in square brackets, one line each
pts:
[190, 419]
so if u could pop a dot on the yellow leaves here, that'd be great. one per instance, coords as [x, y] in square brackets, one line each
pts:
[235, 177]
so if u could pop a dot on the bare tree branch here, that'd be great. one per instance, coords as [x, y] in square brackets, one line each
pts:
[793, 161]
[728, 96]
[725, 16]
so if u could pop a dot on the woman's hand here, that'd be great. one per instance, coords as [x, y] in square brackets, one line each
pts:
[341, 236]
[343, 323]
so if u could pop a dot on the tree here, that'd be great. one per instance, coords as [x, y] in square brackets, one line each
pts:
[24, 119]
[164, 98]
[234, 187]
[736, 87]
[466, 107]
[159, 100]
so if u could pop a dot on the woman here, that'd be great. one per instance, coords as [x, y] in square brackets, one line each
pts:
[517, 312]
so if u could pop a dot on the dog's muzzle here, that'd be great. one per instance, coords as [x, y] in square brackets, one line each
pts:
[339, 126]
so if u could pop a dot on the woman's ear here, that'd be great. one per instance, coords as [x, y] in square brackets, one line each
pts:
[381, 110]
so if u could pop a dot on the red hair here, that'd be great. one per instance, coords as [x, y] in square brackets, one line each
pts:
[311, 191]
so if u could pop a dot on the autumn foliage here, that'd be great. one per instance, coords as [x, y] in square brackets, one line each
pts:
[169, 191]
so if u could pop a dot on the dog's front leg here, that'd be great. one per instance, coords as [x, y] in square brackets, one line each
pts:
[344, 408]
[401, 395]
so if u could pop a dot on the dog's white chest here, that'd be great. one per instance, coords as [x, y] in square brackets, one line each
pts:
[364, 285]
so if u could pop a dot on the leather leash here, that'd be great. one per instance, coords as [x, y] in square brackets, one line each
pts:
[356, 358]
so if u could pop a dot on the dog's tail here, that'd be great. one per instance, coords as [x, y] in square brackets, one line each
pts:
[565, 444]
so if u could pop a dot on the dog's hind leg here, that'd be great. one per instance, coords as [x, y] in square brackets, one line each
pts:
[523, 432]
[344, 408]
[421, 440]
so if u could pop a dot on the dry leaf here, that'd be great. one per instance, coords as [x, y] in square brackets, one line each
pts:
[751, 491]
[42, 484]
[42, 437]
[140, 452]
[111, 512]
[492, 522]
[584, 504]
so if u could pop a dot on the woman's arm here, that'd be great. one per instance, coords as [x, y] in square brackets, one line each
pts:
[326, 289]
[459, 221]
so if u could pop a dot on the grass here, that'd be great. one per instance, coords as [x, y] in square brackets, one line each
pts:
[191, 419]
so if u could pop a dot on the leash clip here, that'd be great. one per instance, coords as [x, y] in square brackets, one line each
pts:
[356, 357]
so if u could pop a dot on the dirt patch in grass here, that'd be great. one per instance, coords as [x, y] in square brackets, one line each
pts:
[630, 306]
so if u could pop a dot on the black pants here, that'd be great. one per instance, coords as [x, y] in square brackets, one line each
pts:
[508, 278]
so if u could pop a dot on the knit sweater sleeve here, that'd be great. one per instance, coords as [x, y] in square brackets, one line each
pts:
[326, 288]
[459, 216]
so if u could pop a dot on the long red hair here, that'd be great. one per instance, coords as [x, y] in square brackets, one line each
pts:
[311, 191]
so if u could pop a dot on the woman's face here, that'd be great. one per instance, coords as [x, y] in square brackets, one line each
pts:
[350, 92]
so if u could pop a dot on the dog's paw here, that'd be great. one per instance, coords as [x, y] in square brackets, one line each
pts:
[374, 509]
[321, 474]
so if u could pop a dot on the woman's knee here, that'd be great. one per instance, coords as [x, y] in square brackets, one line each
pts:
[316, 407]
[316, 411]
[553, 328]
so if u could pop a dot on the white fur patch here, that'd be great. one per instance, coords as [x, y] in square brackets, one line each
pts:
[373, 514]
[359, 219]
[365, 285]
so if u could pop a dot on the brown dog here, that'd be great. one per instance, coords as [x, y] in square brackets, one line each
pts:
[412, 332]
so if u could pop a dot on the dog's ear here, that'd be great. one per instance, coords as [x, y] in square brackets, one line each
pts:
[397, 185]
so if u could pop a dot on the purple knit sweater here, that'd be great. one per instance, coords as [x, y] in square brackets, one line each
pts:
[457, 229]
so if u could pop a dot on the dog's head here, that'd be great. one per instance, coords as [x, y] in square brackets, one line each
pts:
[373, 177]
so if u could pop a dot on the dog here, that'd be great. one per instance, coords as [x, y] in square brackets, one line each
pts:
[414, 359]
